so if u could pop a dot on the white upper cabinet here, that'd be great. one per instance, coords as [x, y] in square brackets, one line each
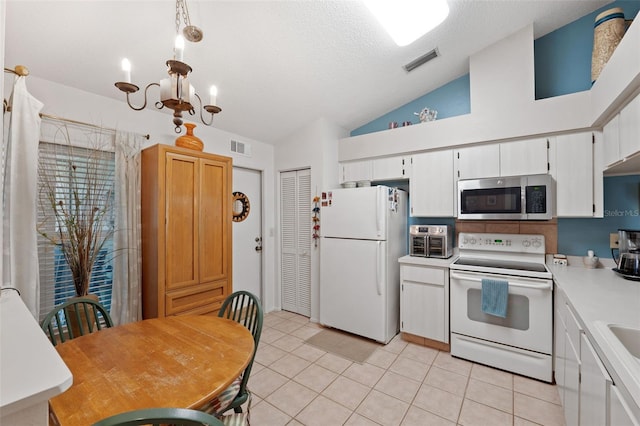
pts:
[629, 128]
[354, 171]
[390, 168]
[611, 141]
[432, 184]
[478, 161]
[527, 157]
[573, 172]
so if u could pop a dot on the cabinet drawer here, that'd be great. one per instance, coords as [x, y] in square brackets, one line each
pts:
[422, 274]
[203, 298]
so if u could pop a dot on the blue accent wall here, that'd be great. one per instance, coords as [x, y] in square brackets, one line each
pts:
[621, 211]
[450, 100]
[562, 66]
[563, 57]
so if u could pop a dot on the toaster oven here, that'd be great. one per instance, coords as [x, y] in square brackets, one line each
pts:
[431, 241]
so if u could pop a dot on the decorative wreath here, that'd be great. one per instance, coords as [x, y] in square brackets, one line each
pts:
[240, 214]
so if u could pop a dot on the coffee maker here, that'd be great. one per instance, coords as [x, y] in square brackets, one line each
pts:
[629, 252]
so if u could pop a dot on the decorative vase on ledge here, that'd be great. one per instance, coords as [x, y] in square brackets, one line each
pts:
[189, 140]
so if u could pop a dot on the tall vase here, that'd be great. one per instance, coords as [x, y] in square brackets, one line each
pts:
[87, 319]
[189, 140]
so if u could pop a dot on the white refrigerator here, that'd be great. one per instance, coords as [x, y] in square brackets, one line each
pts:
[364, 232]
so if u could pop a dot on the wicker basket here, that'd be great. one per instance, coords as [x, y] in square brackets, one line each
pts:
[608, 30]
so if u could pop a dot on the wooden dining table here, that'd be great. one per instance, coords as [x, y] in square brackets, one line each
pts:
[178, 361]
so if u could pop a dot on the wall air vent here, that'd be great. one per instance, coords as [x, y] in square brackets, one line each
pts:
[422, 60]
[241, 148]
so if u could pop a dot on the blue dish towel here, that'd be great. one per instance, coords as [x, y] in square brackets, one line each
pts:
[495, 294]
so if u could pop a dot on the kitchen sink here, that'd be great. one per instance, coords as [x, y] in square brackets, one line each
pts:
[628, 337]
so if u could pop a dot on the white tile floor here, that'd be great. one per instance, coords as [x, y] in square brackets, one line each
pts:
[400, 384]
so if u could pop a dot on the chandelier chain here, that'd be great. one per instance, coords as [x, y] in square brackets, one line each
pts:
[181, 6]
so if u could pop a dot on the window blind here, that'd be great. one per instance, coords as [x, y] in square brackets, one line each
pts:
[91, 169]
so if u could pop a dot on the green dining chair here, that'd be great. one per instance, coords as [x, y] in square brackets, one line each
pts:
[74, 318]
[161, 416]
[244, 308]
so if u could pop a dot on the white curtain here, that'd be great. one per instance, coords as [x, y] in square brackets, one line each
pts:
[126, 294]
[20, 189]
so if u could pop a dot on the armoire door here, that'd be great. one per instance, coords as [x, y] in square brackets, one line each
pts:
[182, 181]
[296, 229]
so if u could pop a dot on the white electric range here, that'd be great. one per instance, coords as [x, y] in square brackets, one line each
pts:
[522, 342]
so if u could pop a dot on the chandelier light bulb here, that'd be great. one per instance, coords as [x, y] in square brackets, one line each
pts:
[126, 68]
[213, 93]
[179, 48]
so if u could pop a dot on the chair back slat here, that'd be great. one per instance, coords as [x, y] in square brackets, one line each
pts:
[244, 308]
[75, 318]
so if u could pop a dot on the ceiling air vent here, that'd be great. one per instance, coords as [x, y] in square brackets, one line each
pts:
[241, 148]
[422, 60]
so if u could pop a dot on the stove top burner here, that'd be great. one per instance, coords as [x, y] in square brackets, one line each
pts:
[501, 264]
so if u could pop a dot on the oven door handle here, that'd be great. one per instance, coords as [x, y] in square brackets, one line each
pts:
[520, 285]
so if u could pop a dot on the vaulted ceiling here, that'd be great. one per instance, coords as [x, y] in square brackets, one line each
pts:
[278, 65]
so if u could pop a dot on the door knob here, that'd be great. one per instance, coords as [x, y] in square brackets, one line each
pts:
[259, 244]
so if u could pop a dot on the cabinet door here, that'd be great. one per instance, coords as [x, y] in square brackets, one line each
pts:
[629, 128]
[355, 171]
[423, 302]
[214, 229]
[478, 161]
[574, 175]
[594, 386]
[432, 185]
[528, 157]
[182, 177]
[559, 342]
[572, 384]
[388, 168]
[611, 137]
[620, 413]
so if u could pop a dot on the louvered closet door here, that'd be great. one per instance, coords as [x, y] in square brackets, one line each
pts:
[295, 223]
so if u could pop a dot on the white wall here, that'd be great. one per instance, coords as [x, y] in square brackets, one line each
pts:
[74, 104]
[316, 147]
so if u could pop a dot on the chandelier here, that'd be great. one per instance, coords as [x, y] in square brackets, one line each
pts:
[175, 91]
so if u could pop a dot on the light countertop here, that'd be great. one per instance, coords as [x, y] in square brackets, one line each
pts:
[600, 297]
[428, 261]
[31, 371]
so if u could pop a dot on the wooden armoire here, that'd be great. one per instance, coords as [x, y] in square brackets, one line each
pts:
[186, 231]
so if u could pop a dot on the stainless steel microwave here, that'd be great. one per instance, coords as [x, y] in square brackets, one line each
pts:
[507, 198]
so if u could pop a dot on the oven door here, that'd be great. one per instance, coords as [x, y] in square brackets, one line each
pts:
[529, 321]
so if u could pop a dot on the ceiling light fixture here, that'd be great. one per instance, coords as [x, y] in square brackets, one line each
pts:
[175, 91]
[407, 20]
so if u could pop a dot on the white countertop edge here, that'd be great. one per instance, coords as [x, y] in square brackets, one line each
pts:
[428, 261]
[31, 371]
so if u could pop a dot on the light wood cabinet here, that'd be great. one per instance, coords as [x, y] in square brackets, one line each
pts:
[186, 231]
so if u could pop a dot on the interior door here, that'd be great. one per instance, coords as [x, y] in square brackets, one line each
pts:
[295, 240]
[247, 234]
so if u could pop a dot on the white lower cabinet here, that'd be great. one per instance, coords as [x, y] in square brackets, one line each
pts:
[595, 383]
[424, 301]
[589, 396]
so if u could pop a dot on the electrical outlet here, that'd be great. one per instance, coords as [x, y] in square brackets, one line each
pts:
[613, 240]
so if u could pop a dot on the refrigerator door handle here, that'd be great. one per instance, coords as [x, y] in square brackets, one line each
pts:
[380, 210]
[378, 268]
